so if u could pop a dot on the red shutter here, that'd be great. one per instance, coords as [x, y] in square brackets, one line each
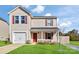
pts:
[26, 19]
[12, 19]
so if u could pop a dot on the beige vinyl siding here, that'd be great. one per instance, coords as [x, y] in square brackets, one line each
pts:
[37, 23]
[42, 22]
[4, 30]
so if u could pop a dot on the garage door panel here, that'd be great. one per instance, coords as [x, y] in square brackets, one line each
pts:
[19, 37]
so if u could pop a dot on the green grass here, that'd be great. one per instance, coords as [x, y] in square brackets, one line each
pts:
[43, 49]
[74, 43]
[3, 43]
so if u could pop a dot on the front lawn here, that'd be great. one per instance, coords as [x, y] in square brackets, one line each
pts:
[3, 43]
[74, 43]
[43, 49]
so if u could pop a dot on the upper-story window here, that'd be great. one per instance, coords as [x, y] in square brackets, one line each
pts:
[49, 22]
[23, 19]
[19, 20]
[16, 19]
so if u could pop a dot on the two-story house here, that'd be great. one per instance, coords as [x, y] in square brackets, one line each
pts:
[25, 27]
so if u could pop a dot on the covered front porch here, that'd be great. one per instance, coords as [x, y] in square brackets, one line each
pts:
[44, 35]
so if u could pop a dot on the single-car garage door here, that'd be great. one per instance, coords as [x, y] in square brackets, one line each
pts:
[19, 37]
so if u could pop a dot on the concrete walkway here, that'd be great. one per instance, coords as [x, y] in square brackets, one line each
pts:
[8, 48]
[72, 46]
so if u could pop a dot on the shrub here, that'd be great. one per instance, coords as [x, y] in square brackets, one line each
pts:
[40, 42]
[45, 42]
[28, 42]
[7, 42]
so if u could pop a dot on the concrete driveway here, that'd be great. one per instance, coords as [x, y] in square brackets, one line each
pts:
[8, 48]
[72, 46]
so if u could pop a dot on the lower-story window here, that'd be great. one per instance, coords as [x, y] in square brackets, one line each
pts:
[48, 35]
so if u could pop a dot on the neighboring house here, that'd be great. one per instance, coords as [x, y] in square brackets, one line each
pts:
[4, 30]
[24, 27]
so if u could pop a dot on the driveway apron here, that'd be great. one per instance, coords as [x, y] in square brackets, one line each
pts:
[8, 48]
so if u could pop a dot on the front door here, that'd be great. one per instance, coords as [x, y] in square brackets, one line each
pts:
[34, 37]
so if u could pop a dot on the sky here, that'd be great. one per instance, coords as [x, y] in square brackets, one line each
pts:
[68, 15]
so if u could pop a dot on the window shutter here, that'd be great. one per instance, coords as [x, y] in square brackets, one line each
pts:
[12, 19]
[46, 22]
[26, 19]
[51, 22]
[46, 36]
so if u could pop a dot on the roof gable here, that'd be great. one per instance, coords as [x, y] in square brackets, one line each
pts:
[20, 7]
[3, 20]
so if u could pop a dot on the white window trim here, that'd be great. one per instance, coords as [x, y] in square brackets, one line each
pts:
[14, 20]
[19, 19]
[49, 22]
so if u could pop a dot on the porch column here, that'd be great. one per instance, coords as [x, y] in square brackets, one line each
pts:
[55, 37]
[58, 36]
[41, 35]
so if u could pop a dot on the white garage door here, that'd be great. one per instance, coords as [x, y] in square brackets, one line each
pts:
[19, 37]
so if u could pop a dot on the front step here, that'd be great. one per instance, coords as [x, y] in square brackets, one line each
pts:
[34, 43]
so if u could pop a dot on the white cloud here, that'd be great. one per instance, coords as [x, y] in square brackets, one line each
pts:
[48, 14]
[38, 9]
[65, 24]
[26, 6]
